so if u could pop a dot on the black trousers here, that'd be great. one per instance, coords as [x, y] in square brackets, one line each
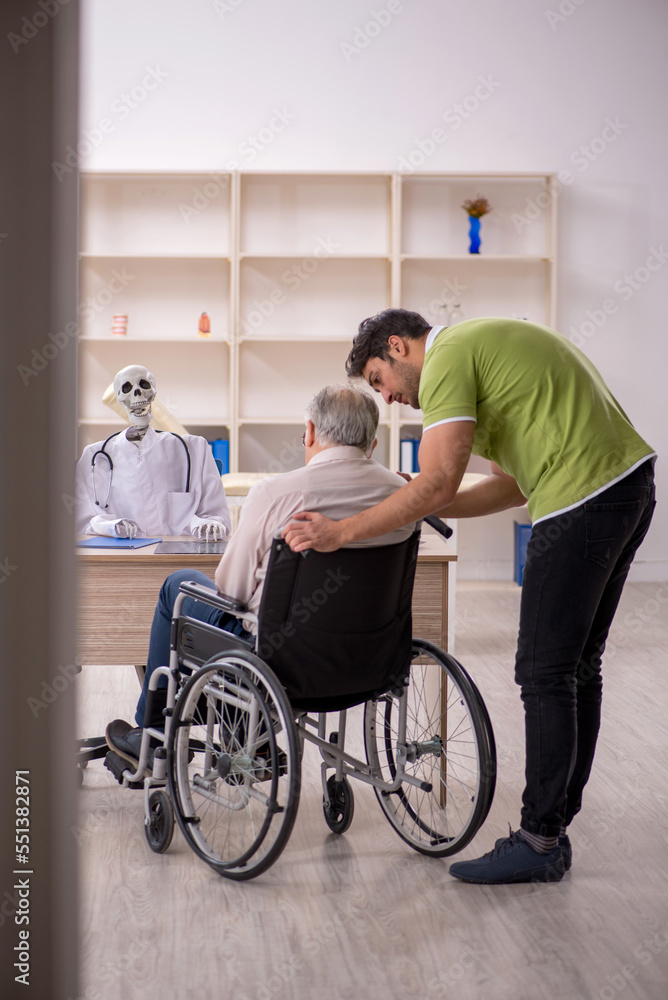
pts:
[575, 570]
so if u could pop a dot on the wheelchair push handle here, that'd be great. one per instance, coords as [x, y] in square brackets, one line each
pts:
[435, 522]
[431, 519]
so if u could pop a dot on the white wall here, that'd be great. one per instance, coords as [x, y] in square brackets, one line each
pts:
[362, 85]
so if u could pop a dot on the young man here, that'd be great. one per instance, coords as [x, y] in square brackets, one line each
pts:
[339, 479]
[522, 396]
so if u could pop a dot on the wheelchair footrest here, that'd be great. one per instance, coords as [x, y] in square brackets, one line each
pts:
[92, 748]
[118, 766]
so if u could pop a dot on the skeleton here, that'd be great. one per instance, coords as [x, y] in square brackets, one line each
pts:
[135, 390]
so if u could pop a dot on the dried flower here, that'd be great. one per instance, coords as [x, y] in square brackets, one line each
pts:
[477, 207]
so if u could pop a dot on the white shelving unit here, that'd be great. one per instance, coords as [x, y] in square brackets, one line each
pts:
[286, 265]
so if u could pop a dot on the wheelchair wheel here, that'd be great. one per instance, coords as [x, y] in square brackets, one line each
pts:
[160, 826]
[234, 765]
[448, 746]
[339, 812]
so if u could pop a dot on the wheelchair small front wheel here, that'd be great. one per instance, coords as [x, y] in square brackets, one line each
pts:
[340, 809]
[159, 827]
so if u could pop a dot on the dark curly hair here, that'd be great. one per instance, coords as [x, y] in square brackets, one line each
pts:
[374, 332]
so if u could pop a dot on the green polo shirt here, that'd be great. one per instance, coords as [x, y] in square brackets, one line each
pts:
[543, 413]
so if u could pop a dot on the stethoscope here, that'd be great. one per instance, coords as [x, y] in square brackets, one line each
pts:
[101, 451]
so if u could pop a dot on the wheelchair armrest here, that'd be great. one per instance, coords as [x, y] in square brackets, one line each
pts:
[435, 522]
[278, 536]
[212, 597]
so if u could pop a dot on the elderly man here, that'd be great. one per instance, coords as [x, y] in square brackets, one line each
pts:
[522, 396]
[340, 478]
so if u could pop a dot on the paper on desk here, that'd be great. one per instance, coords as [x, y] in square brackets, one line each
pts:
[102, 542]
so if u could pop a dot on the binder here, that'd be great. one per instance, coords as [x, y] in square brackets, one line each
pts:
[220, 449]
[408, 455]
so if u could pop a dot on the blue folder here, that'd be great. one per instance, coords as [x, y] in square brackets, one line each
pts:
[103, 542]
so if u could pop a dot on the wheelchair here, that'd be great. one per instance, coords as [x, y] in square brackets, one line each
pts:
[334, 631]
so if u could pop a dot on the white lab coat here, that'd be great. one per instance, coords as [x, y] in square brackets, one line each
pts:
[148, 486]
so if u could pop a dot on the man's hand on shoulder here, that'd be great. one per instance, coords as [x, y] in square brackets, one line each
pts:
[313, 531]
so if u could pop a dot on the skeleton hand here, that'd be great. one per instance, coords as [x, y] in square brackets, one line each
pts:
[211, 531]
[127, 529]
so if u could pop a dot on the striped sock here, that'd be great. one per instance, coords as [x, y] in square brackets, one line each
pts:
[542, 845]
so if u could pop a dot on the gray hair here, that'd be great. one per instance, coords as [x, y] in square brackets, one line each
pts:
[344, 415]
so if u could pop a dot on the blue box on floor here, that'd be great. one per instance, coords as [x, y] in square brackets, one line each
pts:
[522, 534]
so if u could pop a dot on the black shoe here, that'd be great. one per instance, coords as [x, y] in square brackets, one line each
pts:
[563, 843]
[512, 861]
[126, 743]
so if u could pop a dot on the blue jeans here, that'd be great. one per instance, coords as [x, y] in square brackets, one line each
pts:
[574, 574]
[158, 650]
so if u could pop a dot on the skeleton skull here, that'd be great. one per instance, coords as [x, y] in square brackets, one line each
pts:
[135, 390]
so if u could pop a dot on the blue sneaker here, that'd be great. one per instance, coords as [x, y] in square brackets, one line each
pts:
[564, 844]
[512, 860]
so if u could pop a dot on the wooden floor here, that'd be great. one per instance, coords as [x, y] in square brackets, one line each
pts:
[364, 917]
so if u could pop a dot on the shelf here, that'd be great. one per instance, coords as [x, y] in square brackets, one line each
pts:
[279, 448]
[156, 214]
[499, 288]
[161, 297]
[293, 338]
[116, 421]
[427, 202]
[112, 421]
[287, 265]
[185, 385]
[335, 214]
[323, 256]
[90, 255]
[277, 301]
[125, 339]
[208, 421]
[478, 257]
[284, 421]
[276, 382]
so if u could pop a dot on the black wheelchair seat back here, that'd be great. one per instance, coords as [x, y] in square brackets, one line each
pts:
[336, 627]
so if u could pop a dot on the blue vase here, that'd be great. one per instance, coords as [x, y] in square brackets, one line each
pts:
[474, 234]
